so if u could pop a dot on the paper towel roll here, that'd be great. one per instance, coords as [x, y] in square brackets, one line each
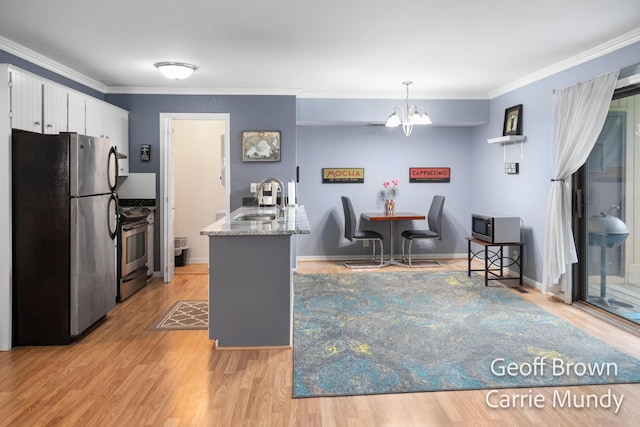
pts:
[291, 193]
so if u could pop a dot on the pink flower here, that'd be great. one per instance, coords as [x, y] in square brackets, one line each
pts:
[389, 191]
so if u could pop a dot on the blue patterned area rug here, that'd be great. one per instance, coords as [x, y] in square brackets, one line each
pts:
[372, 333]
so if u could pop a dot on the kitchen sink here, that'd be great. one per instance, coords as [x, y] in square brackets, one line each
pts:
[256, 217]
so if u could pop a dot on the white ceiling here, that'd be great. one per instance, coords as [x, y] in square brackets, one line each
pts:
[326, 48]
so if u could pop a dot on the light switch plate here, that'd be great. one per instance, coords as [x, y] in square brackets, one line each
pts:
[253, 187]
[512, 168]
[145, 152]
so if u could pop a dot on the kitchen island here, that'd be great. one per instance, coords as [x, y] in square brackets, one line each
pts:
[252, 255]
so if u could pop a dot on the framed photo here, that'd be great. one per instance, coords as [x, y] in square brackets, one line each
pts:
[261, 146]
[512, 121]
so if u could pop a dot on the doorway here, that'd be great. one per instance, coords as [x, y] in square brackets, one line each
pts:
[609, 267]
[191, 200]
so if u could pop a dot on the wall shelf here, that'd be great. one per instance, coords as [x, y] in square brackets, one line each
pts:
[506, 139]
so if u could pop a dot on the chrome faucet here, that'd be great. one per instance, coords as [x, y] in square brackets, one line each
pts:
[274, 194]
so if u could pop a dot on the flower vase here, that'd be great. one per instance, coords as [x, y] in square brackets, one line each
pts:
[390, 206]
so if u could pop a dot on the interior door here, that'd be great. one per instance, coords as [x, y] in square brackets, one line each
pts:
[170, 201]
[223, 161]
[167, 178]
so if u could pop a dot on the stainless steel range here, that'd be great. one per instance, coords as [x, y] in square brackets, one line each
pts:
[132, 251]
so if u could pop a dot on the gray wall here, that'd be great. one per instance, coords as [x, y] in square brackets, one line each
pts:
[385, 154]
[246, 113]
[525, 195]
[334, 133]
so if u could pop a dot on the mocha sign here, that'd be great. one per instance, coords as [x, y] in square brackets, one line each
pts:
[342, 175]
[429, 174]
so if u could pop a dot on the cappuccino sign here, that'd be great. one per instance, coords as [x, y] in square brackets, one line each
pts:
[429, 174]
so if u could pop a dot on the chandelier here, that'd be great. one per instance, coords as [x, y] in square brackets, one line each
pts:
[175, 70]
[408, 117]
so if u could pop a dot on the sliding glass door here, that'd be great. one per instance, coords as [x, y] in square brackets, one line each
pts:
[608, 214]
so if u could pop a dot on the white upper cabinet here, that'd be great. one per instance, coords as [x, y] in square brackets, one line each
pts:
[122, 138]
[94, 120]
[39, 105]
[75, 109]
[26, 102]
[55, 116]
[108, 121]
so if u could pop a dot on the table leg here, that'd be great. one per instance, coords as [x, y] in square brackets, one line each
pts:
[520, 265]
[469, 258]
[391, 242]
[486, 266]
[392, 260]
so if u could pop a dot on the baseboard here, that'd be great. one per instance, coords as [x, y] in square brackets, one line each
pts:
[266, 347]
[526, 280]
[367, 257]
[198, 261]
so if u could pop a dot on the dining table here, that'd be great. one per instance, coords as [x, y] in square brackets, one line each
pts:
[392, 218]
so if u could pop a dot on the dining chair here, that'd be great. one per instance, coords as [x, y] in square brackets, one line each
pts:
[434, 219]
[352, 233]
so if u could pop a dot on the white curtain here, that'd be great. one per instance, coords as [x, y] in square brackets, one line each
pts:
[579, 114]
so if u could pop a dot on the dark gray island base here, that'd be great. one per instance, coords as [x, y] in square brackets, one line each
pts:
[251, 277]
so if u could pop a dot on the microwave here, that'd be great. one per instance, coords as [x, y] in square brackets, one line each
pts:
[495, 228]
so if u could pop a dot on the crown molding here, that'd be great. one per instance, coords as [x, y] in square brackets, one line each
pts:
[586, 56]
[415, 96]
[201, 91]
[55, 67]
[49, 64]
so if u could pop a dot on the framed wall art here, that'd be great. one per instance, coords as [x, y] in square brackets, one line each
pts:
[261, 146]
[512, 121]
[429, 175]
[342, 175]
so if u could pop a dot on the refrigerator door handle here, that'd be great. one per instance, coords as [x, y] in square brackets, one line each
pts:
[112, 168]
[112, 216]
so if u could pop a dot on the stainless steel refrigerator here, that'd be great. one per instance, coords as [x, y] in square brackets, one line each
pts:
[64, 225]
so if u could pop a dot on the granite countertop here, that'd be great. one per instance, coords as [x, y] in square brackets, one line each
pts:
[294, 222]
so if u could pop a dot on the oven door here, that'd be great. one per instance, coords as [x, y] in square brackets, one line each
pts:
[134, 246]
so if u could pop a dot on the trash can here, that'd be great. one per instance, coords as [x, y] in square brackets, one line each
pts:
[181, 246]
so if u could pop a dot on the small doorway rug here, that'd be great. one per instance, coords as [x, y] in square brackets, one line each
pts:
[370, 333]
[184, 315]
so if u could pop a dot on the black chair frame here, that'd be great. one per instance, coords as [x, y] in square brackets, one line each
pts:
[434, 219]
[352, 233]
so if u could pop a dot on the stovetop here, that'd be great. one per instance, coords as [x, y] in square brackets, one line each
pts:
[133, 213]
[137, 202]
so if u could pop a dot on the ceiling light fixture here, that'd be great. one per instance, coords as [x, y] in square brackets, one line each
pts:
[175, 70]
[412, 115]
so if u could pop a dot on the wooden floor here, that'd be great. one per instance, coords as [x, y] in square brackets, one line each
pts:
[123, 374]
[626, 293]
